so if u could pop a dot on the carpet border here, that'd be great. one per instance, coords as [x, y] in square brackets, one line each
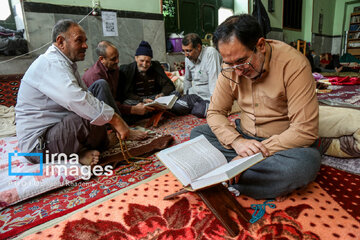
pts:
[96, 202]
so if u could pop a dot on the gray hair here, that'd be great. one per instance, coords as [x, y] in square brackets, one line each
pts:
[62, 26]
[102, 46]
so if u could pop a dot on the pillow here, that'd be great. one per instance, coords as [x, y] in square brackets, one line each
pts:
[339, 131]
[17, 186]
[7, 121]
[343, 147]
[337, 121]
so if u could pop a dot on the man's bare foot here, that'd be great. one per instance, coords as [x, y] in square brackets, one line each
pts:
[137, 135]
[89, 157]
[113, 139]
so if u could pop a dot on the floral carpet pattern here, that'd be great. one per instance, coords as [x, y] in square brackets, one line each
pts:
[185, 217]
[20, 217]
[317, 212]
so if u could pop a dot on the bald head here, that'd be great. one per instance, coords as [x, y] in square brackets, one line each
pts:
[108, 55]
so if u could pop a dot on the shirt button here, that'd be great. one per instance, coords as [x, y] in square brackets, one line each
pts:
[256, 104]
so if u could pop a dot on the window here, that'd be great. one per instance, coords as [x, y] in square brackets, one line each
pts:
[224, 13]
[292, 15]
[4, 10]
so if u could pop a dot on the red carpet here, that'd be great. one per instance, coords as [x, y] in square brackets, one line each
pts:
[321, 211]
[30, 213]
[9, 86]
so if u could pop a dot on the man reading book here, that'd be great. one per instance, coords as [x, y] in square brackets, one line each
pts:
[104, 74]
[202, 67]
[144, 79]
[274, 87]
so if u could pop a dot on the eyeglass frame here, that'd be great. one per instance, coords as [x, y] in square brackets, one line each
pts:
[187, 51]
[237, 67]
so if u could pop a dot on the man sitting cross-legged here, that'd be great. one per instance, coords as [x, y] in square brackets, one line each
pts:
[275, 90]
[105, 74]
[144, 80]
[202, 67]
[55, 113]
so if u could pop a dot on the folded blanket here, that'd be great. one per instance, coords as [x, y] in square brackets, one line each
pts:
[339, 130]
[7, 121]
[344, 80]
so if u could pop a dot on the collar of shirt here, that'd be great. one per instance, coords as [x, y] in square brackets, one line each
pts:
[198, 60]
[200, 55]
[72, 64]
[101, 65]
[268, 53]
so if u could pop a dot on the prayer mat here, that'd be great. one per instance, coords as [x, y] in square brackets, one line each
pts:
[326, 209]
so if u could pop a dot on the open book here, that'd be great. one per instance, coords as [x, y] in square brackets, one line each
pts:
[166, 102]
[198, 164]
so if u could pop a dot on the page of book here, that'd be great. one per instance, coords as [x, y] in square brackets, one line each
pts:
[165, 99]
[233, 164]
[165, 102]
[192, 159]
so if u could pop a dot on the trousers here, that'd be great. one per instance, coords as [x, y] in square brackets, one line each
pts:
[75, 133]
[277, 175]
[191, 104]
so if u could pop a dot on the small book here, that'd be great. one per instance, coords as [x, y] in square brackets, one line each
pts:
[198, 164]
[165, 102]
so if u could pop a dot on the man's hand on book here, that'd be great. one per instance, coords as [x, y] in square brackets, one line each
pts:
[159, 95]
[147, 100]
[247, 147]
[236, 178]
[141, 109]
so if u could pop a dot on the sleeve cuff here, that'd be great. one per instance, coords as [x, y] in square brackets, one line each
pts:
[105, 116]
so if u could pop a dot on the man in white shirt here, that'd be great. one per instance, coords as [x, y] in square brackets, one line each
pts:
[202, 67]
[55, 113]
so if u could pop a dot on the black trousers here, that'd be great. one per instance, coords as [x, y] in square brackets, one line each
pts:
[191, 104]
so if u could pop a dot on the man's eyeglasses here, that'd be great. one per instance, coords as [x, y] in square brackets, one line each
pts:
[187, 51]
[241, 67]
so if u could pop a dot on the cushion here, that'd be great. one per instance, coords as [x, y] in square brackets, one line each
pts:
[16, 187]
[7, 121]
[337, 121]
[339, 131]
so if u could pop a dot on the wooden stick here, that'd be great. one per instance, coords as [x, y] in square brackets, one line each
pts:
[171, 196]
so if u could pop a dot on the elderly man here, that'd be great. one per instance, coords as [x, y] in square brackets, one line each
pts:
[106, 70]
[274, 87]
[202, 67]
[55, 113]
[144, 80]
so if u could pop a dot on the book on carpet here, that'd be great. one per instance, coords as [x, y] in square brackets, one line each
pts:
[198, 164]
[165, 102]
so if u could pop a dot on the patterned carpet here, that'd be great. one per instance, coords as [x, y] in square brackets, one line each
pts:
[52, 205]
[326, 209]
[30, 213]
[9, 86]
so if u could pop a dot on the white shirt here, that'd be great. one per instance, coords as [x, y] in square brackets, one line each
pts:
[200, 77]
[50, 89]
